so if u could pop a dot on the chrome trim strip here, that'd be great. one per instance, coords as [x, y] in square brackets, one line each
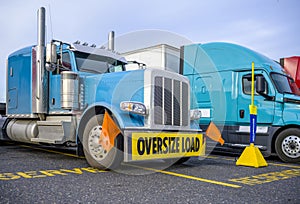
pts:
[35, 116]
[244, 145]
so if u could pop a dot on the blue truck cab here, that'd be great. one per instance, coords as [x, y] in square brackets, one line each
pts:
[220, 77]
[60, 94]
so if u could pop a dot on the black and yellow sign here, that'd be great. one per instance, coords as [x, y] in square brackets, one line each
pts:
[166, 145]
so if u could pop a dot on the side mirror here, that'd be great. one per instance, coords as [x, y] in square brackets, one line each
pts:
[260, 85]
[51, 57]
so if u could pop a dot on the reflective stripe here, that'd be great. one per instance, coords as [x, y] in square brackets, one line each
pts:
[259, 129]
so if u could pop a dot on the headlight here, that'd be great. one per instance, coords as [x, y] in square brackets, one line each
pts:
[133, 107]
[195, 114]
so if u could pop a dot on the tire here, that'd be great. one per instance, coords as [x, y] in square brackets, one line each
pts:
[287, 145]
[95, 154]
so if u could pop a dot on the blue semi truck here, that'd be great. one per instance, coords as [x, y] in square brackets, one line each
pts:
[59, 93]
[220, 77]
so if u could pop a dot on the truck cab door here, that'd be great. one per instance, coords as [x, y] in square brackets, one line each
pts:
[265, 106]
[55, 81]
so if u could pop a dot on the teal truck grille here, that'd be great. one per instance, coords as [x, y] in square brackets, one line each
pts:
[171, 102]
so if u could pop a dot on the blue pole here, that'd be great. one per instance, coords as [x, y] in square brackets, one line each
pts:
[252, 110]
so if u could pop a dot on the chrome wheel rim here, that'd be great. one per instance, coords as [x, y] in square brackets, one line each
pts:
[291, 146]
[95, 149]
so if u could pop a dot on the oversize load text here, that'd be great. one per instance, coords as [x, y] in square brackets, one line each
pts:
[159, 146]
[167, 145]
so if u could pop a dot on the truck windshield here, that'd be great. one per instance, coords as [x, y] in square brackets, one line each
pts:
[95, 63]
[282, 83]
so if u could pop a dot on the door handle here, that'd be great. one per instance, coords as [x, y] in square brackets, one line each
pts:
[242, 113]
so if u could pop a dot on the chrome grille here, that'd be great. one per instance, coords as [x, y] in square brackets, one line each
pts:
[171, 98]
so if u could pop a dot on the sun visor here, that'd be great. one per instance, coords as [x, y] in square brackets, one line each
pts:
[111, 55]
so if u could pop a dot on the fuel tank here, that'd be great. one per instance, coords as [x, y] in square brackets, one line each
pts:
[22, 130]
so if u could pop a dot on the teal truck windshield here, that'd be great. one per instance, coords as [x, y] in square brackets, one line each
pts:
[282, 83]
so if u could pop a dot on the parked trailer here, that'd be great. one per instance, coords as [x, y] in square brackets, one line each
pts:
[62, 98]
[160, 56]
[292, 67]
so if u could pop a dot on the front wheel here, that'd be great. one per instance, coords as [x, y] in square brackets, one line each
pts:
[94, 152]
[287, 145]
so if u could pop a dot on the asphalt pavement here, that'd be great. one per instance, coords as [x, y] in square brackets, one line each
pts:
[34, 174]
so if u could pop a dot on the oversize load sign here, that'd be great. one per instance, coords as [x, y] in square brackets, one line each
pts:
[166, 145]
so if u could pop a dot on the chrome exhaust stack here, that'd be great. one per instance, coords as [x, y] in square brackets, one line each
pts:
[41, 82]
[111, 40]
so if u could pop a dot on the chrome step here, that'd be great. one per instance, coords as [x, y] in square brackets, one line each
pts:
[45, 140]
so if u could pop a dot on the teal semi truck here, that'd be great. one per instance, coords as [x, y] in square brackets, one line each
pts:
[220, 77]
[59, 94]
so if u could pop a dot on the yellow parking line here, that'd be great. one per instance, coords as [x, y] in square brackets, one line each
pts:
[270, 163]
[284, 165]
[218, 157]
[209, 157]
[52, 151]
[187, 177]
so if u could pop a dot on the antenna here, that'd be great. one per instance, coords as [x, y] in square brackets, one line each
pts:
[51, 30]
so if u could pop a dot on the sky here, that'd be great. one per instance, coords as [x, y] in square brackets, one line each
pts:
[270, 27]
